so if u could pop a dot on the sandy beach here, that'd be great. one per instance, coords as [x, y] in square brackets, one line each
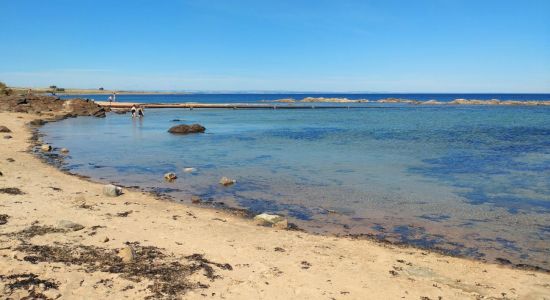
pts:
[60, 238]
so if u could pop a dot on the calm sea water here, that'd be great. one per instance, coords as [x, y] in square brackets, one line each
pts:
[251, 98]
[470, 180]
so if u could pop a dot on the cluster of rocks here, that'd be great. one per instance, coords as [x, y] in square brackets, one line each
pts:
[40, 104]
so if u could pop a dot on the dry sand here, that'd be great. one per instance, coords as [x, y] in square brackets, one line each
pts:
[236, 259]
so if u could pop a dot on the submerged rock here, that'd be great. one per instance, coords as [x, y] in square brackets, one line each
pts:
[4, 129]
[227, 181]
[170, 176]
[186, 129]
[112, 190]
[127, 254]
[46, 148]
[64, 150]
[196, 199]
[189, 170]
[275, 221]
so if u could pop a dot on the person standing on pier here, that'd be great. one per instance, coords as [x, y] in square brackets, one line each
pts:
[110, 100]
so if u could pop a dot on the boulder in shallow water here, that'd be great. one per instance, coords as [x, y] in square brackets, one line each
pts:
[186, 129]
[227, 181]
[46, 148]
[64, 150]
[271, 220]
[170, 176]
[112, 190]
[4, 129]
[127, 254]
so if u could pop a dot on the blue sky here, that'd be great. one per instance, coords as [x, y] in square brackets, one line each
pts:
[345, 45]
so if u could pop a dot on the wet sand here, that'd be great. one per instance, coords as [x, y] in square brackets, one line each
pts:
[59, 237]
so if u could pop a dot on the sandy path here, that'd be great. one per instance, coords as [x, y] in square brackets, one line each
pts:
[265, 263]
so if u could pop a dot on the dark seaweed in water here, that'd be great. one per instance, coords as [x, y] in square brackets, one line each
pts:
[169, 275]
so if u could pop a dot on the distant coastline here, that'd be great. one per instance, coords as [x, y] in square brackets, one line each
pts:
[93, 91]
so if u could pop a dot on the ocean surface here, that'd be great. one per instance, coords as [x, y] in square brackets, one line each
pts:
[467, 180]
[255, 98]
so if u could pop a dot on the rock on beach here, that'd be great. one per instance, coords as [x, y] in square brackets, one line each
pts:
[4, 129]
[70, 225]
[127, 254]
[46, 148]
[275, 221]
[112, 190]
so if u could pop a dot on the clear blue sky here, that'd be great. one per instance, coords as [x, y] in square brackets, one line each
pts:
[340, 45]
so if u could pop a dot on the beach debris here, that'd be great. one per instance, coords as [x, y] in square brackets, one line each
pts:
[112, 190]
[79, 200]
[196, 199]
[170, 176]
[64, 150]
[9, 159]
[66, 224]
[7, 137]
[11, 191]
[167, 276]
[106, 239]
[127, 254]
[227, 181]
[4, 219]
[189, 170]
[4, 129]
[1, 174]
[274, 221]
[46, 148]
[124, 214]
[38, 122]
[186, 129]
[29, 286]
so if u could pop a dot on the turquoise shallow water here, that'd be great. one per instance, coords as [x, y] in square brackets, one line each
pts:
[470, 180]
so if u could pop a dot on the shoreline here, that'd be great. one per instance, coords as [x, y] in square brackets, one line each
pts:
[382, 272]
[56, 160]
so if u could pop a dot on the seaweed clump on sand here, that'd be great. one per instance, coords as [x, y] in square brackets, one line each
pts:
[27, 283]
[4, 219]
[11, 191]
[36, 230]
[168, 275]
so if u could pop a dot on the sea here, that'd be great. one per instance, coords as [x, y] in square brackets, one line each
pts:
[465, 180]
